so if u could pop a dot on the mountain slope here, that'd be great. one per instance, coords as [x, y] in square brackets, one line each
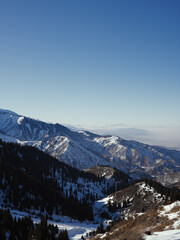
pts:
[137, 198]
[54, 139]
[31, 180]
[138, 210]
[155, 224]
[121, 180]
[83, 149]
[139, 158]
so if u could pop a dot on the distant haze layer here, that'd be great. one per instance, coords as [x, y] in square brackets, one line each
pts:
[162, 136]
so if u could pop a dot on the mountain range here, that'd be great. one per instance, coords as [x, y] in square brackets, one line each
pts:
[82, 149]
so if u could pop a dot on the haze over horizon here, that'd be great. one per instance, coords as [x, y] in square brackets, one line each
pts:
[93, 63]
[154, 135]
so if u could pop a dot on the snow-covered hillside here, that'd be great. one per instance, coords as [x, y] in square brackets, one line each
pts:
[160, 222]
[141, 160]
[172, 230]
[84, 149]
[138, 198]
[75, 228]
[55, 139]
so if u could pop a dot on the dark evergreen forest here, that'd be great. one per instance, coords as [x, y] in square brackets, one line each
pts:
[24, 229]
[27, 179]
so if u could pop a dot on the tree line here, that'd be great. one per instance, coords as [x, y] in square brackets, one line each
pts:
[24, 229]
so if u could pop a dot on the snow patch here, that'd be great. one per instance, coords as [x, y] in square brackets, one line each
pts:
[20, 119]
[165, 235]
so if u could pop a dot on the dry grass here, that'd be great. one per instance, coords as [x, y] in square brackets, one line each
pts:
[135, 227]
[165, 222]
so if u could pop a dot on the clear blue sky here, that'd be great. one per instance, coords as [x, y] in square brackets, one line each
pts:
[91, 61]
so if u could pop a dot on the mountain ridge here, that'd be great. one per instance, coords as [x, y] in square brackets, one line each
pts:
[83, 149]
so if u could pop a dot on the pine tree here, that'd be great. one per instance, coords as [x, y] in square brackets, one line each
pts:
[100, 229]
[63, 235]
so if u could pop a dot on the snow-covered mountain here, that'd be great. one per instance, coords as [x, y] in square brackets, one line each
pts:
[84, 149]
[55, 139]
[158, 162]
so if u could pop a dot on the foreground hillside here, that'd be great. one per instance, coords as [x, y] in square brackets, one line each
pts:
[155, 224]
[83, 149]
[137, 198]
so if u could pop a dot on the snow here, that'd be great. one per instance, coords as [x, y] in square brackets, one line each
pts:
[20, 119]
[165, 235]
[168, 208]
[176, 224]
[104, 235]
[83, 132]
[146, 188]
[105, 200]
[75, 228]
[107, 141]
[175, 215]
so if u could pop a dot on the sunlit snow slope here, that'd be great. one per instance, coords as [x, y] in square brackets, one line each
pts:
[84, 149]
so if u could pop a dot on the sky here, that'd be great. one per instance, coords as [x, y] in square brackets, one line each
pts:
[91, 62]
